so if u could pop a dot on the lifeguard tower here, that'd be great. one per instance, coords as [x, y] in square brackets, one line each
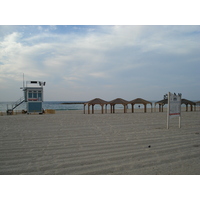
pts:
[33, 96]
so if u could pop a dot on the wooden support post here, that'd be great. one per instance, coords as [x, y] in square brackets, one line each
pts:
[92, 109]
[132, 108]
[124, 108]
[102, 109]
[88, 109]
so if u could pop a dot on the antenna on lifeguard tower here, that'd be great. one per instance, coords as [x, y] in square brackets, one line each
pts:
[23, 80]
[23, 83]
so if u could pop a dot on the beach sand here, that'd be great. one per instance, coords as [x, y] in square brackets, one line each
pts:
[70, 142]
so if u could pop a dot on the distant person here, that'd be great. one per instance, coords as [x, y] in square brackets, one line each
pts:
[139, 106]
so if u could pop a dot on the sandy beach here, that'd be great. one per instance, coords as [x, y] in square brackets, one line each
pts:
[70, 142]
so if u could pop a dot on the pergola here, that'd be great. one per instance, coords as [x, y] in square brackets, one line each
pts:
[118, 101]
[187, 102]
[140, 101]
[161, 103]
[93, 102]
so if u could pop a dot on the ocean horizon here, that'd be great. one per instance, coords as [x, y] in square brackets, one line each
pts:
[67, 105]
[60, 105]
[55, 105]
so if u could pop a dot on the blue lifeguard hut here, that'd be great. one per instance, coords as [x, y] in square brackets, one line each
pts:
[33, 96]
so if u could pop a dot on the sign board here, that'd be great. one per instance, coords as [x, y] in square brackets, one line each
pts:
[174, 107]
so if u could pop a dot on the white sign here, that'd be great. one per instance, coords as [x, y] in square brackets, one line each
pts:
[174, 107]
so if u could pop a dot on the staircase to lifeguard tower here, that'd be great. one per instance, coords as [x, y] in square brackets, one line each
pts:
[15, 105]
[18, 102]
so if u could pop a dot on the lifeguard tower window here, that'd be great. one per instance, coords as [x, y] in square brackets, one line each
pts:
[39, 96]
[30, 94]
[34, 95]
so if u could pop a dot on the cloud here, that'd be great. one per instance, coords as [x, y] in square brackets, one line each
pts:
[117, 58]
[98, 75]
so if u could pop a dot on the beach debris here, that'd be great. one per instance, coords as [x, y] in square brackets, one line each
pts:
[49, 111]
[149, 146]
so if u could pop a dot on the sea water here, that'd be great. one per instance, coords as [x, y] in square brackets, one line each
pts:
[72, 105]
[55, 105]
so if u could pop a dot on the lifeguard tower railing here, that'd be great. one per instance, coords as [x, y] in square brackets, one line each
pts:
[18, 102]
[15, 105]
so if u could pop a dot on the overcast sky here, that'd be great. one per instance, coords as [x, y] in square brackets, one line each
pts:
[85, 62]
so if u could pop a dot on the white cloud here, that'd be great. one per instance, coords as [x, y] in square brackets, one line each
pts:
[113, 56]
[12, 37]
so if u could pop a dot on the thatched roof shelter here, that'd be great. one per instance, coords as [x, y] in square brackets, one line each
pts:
[161, 103]
[97, 101]
[118, 101]
[140, 101]
[187, 102]
[93, 102]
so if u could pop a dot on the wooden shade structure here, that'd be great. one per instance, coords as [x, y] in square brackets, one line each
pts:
[140, 101]
[161, 104]
[118, 101]
[187, 102]
[95, 101]
[198, 104]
